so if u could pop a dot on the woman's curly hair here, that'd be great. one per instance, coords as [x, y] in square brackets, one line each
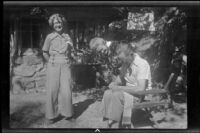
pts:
[57, 16]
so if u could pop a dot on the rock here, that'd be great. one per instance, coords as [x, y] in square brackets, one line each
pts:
[19, 60]
[39, 67]
[29, 51]
[28, 84]
[17, 85]
[40, 78]
[41, 74]
[40, 71]
[24, 70]
[40, 83]
[29, 77]
[32, 60]
[21, 84]
[24, 81]
[30, 90]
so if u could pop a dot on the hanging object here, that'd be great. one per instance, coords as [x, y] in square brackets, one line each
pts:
[141, 21]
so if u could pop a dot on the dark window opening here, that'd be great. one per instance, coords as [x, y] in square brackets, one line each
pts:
[30, 32]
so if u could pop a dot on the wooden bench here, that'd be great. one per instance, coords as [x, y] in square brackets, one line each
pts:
[144, 104]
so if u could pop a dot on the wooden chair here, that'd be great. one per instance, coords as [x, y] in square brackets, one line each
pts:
[144, 104]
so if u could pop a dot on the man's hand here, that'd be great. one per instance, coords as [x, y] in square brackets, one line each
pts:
[114, 87]
[129, 89]
[111, 86]
[116, 82]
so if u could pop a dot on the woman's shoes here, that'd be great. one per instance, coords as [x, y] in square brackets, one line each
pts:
[59, 117]
[53, 120]
[70, 118]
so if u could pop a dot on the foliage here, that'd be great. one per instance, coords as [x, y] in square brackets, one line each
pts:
[160, 48]
[40, 12]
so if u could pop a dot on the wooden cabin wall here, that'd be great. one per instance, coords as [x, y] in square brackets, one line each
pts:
[31, 32]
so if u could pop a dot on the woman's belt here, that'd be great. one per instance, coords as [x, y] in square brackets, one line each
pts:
[58, 59]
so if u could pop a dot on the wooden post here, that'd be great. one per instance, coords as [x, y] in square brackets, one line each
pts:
[31, 35]
[19, 37]
[83, 38]
[16, 35]
[13, 46]
[94, 30]
[76, 36]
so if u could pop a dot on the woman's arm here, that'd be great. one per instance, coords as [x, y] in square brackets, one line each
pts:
[46, 56]
[46, 46]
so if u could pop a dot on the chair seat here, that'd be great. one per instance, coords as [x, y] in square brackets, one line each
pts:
[153, 91]
[149, 104]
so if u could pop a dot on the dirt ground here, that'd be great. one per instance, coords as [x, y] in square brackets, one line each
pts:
[28, 111]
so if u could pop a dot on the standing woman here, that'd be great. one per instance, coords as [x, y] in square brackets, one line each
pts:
[57, 51]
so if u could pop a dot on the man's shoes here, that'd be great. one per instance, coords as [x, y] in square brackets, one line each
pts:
[112, 124]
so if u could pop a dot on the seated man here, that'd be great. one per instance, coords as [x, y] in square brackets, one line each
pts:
[135, 76]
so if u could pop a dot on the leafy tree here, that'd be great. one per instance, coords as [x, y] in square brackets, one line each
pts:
[163, 48]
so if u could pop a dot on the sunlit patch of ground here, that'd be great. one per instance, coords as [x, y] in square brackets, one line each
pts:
[28, 111]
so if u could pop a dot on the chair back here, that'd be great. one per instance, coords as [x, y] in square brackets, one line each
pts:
[166, 87]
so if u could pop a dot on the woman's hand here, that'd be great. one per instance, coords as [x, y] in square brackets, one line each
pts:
[63, 50]
[65, 47]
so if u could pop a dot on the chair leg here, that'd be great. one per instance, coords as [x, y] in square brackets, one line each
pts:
[132, 125]
[127, 126]
[155, 125]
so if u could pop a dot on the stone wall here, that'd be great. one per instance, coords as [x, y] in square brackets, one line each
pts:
[29, 73]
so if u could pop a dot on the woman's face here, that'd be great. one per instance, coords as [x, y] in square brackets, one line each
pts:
[57, 25]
